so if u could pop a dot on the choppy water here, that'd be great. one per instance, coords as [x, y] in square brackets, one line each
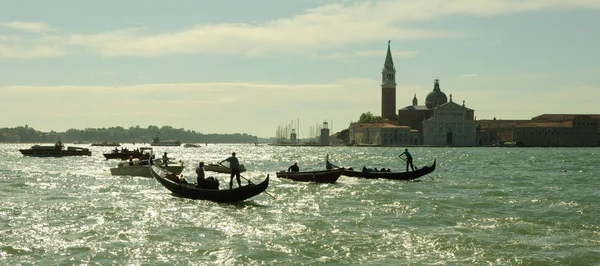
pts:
[481, 206]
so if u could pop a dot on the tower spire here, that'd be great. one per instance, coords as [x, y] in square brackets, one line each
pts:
[389, 62]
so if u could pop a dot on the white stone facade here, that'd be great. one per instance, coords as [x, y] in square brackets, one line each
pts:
[450, 126]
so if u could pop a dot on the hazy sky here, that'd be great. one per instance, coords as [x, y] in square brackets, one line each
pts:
[250, 66]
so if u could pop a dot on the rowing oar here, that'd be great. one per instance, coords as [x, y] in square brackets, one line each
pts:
[266, 192]
[415, 167]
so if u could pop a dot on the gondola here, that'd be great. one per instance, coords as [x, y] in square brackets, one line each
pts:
[221, 196]
[322, 176]
[392, 175]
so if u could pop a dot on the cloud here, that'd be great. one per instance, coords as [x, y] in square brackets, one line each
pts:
[535, 76]
[29, 52]
[34, 27]
[351, 56]
[315, 32]
[466, 76]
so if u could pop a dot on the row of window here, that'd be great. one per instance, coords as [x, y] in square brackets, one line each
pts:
[556, 132]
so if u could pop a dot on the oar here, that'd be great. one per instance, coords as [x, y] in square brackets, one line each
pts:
[248, 180]
[415, 167]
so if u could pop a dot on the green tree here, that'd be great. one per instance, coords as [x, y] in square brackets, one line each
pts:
[344, 135]
[369, 118]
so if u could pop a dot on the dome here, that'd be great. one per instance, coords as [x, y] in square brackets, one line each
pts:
[436, 97]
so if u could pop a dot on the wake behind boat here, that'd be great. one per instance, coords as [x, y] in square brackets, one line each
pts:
[322, 176]
[191, 191]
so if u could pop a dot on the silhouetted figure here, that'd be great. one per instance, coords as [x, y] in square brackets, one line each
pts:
[294, 168]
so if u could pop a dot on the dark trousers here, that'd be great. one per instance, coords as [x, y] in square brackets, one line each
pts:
[235, 172]
[409, 162]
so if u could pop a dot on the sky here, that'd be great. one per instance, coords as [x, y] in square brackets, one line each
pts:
[253, 66]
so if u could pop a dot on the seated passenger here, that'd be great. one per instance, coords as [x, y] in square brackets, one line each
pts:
[294, 168]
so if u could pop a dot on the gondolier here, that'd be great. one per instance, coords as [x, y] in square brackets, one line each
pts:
[409, 160]
[234, 165]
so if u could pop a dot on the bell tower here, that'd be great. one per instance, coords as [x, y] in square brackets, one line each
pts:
[388, 87]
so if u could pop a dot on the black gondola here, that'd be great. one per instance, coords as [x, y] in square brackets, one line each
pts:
[191, 191]
[392, 175]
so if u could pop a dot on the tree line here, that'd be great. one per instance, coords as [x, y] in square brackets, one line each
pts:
[119, 134]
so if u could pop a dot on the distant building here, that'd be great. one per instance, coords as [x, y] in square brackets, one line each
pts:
[388, 87]
[547, 130]
[416, 124]
[383, 134]
[450, 125]
[324, 139]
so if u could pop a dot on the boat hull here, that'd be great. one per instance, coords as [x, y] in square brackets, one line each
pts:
[123, 156]
[191, 191]
[324, 176]
[48, 151]
[143, 170]
[392, 175]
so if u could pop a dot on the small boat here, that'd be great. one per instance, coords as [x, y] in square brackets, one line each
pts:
[106, 144]
[191, 191]
[322, 176]
[191, 145]
[125, 154]
[55, 151]
[142, 167]
[393, 175]
[221, 168]
[156, 141]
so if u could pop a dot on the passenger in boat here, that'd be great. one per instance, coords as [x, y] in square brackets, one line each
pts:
[234, 166]
[182, 179]
[130, 160]
[329, 165]
[294, 168]
[165, 159]
[409, 159]
[200, 172]
[59, 145]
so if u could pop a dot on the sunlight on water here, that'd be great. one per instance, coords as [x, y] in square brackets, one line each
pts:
[481, 206]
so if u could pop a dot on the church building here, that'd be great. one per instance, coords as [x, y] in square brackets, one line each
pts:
[437, 123]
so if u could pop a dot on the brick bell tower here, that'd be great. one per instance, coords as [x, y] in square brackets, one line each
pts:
[388, 87]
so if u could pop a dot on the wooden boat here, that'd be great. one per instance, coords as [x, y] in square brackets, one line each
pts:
[221, 168]
[156, 141]
[393, 175]
[323, 176]
[55, 151]
[191, 145]
[106, 144]
[142, 168]
[124, 154]
[191, 191]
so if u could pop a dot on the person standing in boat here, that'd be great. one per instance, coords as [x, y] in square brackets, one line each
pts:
[294, 168]
[165, 159]
[200, 173]
[234, 166]
[409, 159]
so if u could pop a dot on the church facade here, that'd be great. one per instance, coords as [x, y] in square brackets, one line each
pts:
[437, 123]
[450, 125]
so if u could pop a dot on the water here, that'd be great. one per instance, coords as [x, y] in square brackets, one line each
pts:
[481, 206]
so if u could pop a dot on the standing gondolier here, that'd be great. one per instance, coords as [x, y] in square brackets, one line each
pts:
[234, 165]
[409, 159]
